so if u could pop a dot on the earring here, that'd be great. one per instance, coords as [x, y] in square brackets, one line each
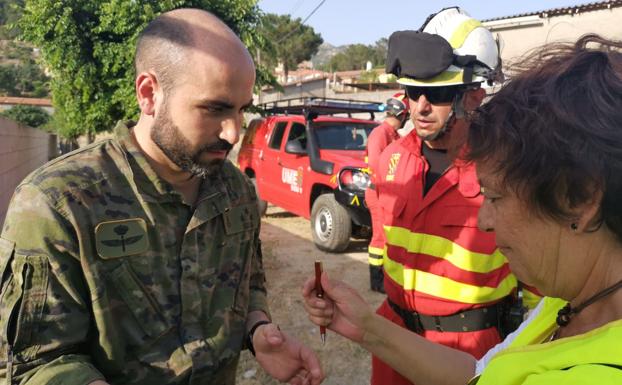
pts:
[574, 226]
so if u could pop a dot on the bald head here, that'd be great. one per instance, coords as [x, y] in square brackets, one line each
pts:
[166, 44]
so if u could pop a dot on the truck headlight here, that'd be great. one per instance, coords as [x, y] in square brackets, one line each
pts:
[353, 179]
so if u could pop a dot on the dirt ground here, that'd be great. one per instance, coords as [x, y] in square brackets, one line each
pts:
[288, 254]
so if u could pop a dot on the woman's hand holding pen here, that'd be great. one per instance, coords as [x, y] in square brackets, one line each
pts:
[342, 309]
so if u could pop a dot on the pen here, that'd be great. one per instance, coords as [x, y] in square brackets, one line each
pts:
[319, 292]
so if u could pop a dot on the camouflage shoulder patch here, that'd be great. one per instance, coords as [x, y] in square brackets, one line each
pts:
[122, 238]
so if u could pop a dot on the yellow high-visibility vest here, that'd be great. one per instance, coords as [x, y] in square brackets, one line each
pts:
[590, 358]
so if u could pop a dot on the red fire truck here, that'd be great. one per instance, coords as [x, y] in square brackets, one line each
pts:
[307, 157]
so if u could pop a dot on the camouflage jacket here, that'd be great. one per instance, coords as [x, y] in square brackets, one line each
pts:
[107, 274]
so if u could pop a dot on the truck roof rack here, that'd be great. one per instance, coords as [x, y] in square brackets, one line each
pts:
[320, 106]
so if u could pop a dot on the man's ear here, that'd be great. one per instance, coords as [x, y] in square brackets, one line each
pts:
[473, 99]
[147, 88]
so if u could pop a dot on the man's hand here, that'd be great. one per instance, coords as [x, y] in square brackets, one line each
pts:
[285, 358]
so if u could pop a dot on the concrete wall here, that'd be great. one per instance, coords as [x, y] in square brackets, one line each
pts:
[22, 149]
[519, 35]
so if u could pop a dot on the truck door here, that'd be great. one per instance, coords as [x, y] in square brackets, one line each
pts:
[270, 181]
[295, 173]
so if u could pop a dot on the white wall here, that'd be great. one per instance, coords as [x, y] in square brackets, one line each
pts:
[519, 35]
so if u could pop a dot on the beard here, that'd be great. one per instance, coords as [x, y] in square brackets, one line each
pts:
[167, 136]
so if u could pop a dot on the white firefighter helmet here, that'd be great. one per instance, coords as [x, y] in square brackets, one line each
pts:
[471, 55]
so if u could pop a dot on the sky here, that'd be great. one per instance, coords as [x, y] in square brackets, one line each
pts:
[366, 21]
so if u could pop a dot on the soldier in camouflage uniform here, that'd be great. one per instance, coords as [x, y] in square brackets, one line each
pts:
[136, 260]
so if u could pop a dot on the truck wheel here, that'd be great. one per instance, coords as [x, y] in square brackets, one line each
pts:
[261, 204]
[331, 225]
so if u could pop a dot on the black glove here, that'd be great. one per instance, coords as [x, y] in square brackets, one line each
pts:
[376, 278]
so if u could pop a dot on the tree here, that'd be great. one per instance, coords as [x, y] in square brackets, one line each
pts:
[25, 78]
[29, 115]
[10, 12]
[30, 80]
[8, 76]
[368, 77]
[289, 41]
[380, 52]
[89, 48]
[356, 56]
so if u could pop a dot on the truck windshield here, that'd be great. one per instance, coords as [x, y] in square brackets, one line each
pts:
[343, 135]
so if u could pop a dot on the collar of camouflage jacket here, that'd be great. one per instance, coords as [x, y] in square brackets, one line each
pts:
[143, 175]
[144, 178]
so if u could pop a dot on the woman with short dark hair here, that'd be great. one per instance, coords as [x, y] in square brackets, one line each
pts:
[548, 152]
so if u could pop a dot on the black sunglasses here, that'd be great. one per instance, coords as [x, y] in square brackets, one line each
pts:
[435, 95]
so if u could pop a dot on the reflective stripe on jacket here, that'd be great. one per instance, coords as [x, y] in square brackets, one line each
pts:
[437, 261]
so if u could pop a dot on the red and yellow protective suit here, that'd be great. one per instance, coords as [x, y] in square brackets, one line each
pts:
[378, 140]
[437, 261]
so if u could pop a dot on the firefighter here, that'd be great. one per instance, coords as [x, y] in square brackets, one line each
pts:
[444, 278]
[397, 111]
[547, 169]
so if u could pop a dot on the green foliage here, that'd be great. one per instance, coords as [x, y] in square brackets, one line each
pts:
[391, 78]
[368, 77]
[10, 12]
[20, 74]
[24, 79]
[89, 48]
[288, 41]
[16, 50]
[29, 115]
[380, 52]
[356, 56]
[8, 74]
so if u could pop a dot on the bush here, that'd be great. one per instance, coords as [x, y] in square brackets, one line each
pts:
[29, 115]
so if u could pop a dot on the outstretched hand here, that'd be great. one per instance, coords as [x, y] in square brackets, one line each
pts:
[342, 309]
[285, 358]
